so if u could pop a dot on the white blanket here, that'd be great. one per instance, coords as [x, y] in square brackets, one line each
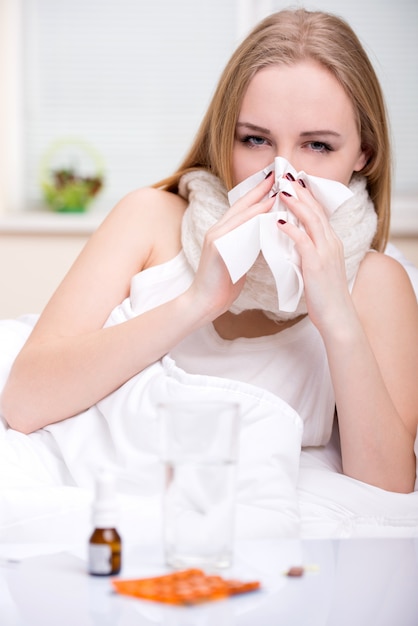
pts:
[46, 478]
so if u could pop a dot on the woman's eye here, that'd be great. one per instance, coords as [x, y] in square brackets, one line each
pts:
[253, 140]
[320, 146]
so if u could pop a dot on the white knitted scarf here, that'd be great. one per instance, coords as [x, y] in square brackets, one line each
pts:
[354, 222]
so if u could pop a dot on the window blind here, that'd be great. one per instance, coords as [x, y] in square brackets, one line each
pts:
[134, 77]
[131, 78]
[389, 32]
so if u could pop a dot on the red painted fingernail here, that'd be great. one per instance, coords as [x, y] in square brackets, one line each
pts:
[282, 221]
[269, 174]
[290, 176]
[301, 183]
[286, 194]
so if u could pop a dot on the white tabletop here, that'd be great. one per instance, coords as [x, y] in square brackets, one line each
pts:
[348, 582]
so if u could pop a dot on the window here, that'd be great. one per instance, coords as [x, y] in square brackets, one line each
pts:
[132, 78]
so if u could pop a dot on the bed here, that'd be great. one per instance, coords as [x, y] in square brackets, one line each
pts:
[47, 478]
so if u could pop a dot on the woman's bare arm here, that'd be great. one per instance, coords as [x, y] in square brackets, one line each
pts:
[374, 363]
[70, 361]
[371, 339]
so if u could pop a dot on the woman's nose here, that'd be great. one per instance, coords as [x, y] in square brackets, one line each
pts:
[289, 156]
[287, 153]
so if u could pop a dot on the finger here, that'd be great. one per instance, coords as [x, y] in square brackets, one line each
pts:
[301, 238]
[255, 202]
[230, 222]
[310, 214]
[232, 219]
[254, 195]
[307, 200]
[316, 254]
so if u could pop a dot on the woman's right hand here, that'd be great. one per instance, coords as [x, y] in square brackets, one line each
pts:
[212, 288]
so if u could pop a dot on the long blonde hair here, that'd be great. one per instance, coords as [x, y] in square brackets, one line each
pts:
[288, 37]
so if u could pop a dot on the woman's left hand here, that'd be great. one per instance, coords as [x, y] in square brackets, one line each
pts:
[322, 258]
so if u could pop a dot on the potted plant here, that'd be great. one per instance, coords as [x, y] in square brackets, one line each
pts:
[67, 188]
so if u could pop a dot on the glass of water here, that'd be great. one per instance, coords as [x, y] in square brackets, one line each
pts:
[199, 449]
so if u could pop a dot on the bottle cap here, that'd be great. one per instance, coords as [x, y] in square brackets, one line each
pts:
[105, 504]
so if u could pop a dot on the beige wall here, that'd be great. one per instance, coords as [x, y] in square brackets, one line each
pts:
[409, 246]
[31, 267]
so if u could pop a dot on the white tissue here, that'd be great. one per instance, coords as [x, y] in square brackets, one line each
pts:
[240, 247]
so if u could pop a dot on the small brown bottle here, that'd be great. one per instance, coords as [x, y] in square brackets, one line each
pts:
[105, 544]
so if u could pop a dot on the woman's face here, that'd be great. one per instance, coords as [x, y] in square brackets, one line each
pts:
[299, 112]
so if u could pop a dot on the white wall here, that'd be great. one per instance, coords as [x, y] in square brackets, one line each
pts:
[31, 264]
[135, 77]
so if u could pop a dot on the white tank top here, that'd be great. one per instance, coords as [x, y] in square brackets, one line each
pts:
[291, 364]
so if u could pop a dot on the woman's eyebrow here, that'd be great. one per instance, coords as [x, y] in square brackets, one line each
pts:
[306, 133]
[315, 133]
[253, 127]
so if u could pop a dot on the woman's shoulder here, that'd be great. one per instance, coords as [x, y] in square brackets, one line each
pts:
[382, 279]
[147, 201]
[150, 219]
[375, 263]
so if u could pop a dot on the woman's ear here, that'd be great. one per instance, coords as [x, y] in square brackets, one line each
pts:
[364, 158]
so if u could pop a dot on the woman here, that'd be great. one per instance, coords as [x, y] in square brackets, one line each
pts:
[300, 87]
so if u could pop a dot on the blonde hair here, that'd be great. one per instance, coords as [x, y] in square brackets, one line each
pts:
[288, 37]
